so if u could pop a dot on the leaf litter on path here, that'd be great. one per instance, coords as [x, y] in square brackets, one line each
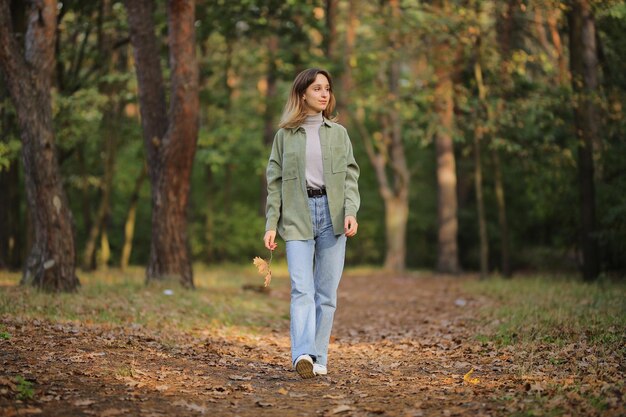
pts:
[400, 346]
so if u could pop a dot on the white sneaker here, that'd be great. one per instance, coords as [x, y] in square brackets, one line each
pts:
[319, 369]
[304, 366]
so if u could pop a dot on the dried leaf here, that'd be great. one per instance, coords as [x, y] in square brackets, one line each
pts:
[467, 377]
[264, 268]
[84, 403]
[261, 264]
[341, 409]
[240, 377]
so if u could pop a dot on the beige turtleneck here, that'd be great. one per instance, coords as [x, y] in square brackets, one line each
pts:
[314, 165]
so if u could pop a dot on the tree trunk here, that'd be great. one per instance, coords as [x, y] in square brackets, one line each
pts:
[389, 153]
[113, 60]
[553, 16]
[51, 262]
[268, 115]
[105, 250]
[396, 217]
[129, 224]
[109, 123]
[504, 227]
[330, 40]
[349, 61]
[480, 204]
[584, 68]
[479, 130]
[504, 40]
[171, 143]
[10, 234]
[447, 255]
[10, 231]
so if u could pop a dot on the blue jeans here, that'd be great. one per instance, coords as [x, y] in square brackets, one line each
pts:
[315, 268]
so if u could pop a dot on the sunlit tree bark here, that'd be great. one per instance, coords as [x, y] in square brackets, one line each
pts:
[51, 262]
[170, 138]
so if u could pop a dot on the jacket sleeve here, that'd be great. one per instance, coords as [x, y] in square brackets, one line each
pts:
[351, 190]
[274, 175]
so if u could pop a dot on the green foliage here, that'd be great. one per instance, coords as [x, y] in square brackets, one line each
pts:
[526, 114]
[25, 389]
[9, 152]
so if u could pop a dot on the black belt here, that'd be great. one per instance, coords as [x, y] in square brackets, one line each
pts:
[312, 192]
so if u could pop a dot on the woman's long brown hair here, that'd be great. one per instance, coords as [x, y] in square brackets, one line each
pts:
[294, 112]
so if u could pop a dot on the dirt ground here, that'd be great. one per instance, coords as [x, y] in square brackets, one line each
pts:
[403, 348]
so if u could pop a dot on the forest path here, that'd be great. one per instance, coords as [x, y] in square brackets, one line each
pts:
[401, 346]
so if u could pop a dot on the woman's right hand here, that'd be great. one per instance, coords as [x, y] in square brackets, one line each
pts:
[269, 237]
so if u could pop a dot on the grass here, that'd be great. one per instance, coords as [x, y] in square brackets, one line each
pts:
[117, 298]
[556, 310]
[538, 309]
[25, 389]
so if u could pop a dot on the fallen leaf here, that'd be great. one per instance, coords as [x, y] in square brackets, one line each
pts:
[282, 391]
[113, 412]
[191, 406]
[341, 409]
[84, 403]
[334, 396]
[467, 377]
[240, 377]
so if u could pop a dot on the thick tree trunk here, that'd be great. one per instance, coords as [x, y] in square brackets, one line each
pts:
[171, 143]
[584, 67]
[129, 224]
[51, 262]
[447, 255]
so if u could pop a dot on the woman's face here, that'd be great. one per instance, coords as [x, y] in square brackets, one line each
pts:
[317, 95]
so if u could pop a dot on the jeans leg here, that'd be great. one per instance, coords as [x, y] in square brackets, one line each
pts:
[329, 260]
[302, 329]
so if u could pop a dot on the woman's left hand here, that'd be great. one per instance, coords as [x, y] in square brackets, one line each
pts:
[350, 226]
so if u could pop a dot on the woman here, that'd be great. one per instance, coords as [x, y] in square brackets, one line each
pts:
[312, 201]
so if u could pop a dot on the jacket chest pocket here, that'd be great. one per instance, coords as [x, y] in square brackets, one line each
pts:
[290, 166]
[339, 159]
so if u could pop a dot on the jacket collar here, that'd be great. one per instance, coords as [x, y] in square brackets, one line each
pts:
[325, 122]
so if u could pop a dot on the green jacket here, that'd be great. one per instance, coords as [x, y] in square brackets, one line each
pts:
[287, 201]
